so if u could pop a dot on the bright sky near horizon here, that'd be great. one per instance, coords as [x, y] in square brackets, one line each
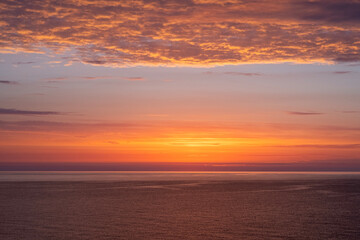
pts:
[197, 81]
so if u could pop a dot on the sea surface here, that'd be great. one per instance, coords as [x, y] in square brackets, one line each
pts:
[179, 205]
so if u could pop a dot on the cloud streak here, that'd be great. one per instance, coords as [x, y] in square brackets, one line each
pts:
[8, 82]
[162, 128]
[60, 79]
[304, 113]
[134, 78]
[247, 74]
[23, 63]
[8, 111]
[242, 74]
[350, 111]
[176, 32]
[341, 72]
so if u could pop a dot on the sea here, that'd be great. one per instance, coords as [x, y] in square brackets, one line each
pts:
[179, 205]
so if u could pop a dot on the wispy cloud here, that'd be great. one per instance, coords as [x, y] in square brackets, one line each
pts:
[59, 79]
[23, 63]
[8, 82]
[350, 111]
[94, 77]
[243, 74]
[55, 79]
[177, 32]
[134, 78]
[161, 127]
[342, 72]
[304, 113]
[54, 62]
[9, 111]
[247, 74]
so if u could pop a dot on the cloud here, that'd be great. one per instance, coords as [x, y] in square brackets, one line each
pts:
[134, 78]
[57, 79]
[341, 72]
[51, 126]
[199, 128]
[350, 111]
[94, 77]
[248, 74]
[54, 62]
[243, 74]
[22, 63]
[177, 32]
[8, 82]
[7, 111]
[345, 11]
[304, 113]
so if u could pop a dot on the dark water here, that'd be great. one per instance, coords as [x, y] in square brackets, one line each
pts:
[184, 206]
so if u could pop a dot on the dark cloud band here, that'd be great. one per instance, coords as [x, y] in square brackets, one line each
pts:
[8, 82]
[7, 111]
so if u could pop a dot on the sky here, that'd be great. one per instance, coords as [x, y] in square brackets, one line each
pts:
[180, 85]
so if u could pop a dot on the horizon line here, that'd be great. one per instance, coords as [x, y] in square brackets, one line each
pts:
[306, 166]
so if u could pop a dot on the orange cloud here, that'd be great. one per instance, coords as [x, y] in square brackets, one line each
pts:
[176, 32]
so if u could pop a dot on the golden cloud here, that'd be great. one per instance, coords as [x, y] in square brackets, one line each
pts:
[184, 32]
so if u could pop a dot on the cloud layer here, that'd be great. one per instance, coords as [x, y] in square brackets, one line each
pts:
[178, 32]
